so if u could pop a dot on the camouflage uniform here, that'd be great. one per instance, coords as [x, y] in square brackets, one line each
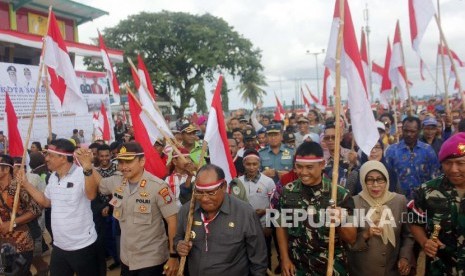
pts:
[437, 202]
[308, 246]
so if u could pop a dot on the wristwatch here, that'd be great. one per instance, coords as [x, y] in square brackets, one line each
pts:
[174, 255]
[88, 172]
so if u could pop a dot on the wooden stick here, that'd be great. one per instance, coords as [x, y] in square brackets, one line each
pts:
[47, 98]
[454, 67]
[337, 107]
[168, 140]
[202, 153]
[395, 114]
[409, 98]
[187, 234]
[441, 43]
[28, 137]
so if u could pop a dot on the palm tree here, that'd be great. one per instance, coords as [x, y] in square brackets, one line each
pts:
[250, 87]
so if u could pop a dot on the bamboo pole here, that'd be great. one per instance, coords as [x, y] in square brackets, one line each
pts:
[332, 227]
[454, 67]
[28, 137]
[396, 134]
[410, 110]
[163, 133]
[441, 43]
[187, 234]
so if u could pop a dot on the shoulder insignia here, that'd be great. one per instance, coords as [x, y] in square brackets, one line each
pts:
[236, 190]
[143, 183]
[165, 194]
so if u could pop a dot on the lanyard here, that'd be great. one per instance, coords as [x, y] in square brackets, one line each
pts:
[172, 185]
[205, 226]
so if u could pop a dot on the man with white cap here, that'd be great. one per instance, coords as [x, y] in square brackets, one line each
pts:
[430, 131]
[226, 236]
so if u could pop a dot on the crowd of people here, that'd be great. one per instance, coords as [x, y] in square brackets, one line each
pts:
[97, 202]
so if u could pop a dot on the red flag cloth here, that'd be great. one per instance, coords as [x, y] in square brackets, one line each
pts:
[66, 94]
[386, 84]
[106, 125]
[153, 162]
[362, 118]
[146, 76]
[306, 102]
[279, 112]
[114, 85]
[215, 136]
[396, 66]
[376, 73]
[327, 87]
[420, 14]
[442, 50]
[16, 148]
[314, 98]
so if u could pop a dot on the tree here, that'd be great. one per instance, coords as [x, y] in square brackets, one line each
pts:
[224, 96]
[250, 89]
[182, 50]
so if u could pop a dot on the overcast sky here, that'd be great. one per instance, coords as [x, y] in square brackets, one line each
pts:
[286, 30]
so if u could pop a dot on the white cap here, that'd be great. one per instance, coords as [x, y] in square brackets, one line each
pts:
[381, 125]
[313, 136]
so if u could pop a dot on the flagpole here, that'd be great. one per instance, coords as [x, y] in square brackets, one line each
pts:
[459, 83]
[395, 113]
[337, 108]
[47, 98]
[163, 133]
[187, 234]
[441, 43]
[410, 111]
[29, 130]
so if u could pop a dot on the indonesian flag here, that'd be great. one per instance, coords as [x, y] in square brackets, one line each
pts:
[386, 85]
[153, 162]
[215, 136]
[397, 73]
[363, 122]
[151, 118]
[145, 76]
[105, 123]
[420, 14]
[307, 104]
[16, 148]
[442, 50]
[279, 111]
[376, 73]
[66, 94]
[365, 64]
[316, 101]
[328, 87]
[114, 86]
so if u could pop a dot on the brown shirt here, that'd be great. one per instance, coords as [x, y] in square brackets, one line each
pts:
[140, 212]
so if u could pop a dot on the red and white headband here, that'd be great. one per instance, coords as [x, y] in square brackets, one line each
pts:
[208, 186]
[53, 149]
[308, 159]
[182, 154]
[252, 155]
[6, 164]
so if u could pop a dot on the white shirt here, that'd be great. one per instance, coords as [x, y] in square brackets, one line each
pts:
[174, 182]
[72, 221]
[259, 191]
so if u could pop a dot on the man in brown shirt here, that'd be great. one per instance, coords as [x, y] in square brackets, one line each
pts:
[140, 201]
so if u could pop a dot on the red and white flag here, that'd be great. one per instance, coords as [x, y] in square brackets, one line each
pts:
[145, 76]
[420, 14]
[442, 50]
[376, 73]
[397, 73]
[386, 85]
[114, 85]
[316, 101]
[151, 118]
[15, 145]
[105, 123]
[365, 64]
[328, 87]
[279, 111]
[307, 104]
[362, 118]
[215, 136]
[153, 162]
[66, 95]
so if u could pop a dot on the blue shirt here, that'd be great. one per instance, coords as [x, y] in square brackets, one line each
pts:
[412, 167]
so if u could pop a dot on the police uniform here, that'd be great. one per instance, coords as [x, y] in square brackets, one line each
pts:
[140, 212]
[309, 245]
[282, 161]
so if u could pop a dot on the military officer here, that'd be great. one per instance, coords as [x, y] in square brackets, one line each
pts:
[276, 157]
[304, 244]
[440, 202]
[141, 201]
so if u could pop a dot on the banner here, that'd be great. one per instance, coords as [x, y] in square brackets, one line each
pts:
[19, 81]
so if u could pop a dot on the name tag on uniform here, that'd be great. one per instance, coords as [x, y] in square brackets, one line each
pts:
[69, 185]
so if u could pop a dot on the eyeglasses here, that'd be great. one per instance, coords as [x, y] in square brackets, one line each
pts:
[208, 193]
[371, 181]
[329, 138]
[377, 148]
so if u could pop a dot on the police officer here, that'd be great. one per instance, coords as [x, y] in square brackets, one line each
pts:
[141, 201]
[276, 157]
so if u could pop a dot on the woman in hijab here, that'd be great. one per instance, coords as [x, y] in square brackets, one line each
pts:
[384, 244]
[353, 183]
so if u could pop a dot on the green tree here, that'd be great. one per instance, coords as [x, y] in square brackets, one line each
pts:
[181, 51]
[224, 96]
[200, 98]
[250, 89]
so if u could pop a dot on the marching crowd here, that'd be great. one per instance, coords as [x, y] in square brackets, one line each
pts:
[98, 202]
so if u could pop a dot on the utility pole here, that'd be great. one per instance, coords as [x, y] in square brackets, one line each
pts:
[367, 31]
[315, 54]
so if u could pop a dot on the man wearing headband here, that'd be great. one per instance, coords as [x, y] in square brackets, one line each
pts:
[304, 245]
[259, 189]
[74, 235]
[141, 201]
[226, 236]
[440, 202]
[28, 210]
